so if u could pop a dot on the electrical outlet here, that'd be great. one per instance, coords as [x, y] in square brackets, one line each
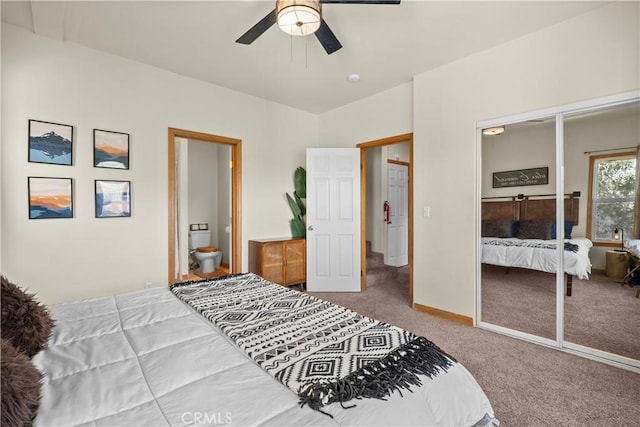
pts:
[148, 285]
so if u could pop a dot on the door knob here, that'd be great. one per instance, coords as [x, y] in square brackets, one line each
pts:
[310, 228]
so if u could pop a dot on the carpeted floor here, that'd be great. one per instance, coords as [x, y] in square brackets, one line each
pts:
[527, 384]
[600, 313]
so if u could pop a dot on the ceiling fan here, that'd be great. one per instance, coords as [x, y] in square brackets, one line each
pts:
[301, 18]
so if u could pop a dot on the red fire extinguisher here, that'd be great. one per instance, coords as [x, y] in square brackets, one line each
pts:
[387, 213]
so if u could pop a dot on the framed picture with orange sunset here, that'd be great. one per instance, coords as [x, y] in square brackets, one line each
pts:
[110, 149]
[50, 197]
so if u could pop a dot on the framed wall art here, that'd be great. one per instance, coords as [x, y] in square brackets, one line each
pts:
[50, 143]
[50, 197]
[110, 149]
[113, 198]
[521, 177]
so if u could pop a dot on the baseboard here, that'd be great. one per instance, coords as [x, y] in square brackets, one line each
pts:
[465, 320]
[599, 270]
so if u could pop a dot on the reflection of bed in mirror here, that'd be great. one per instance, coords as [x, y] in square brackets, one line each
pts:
[520, 231]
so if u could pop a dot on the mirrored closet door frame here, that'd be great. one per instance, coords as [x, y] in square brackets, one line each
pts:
[559, 112]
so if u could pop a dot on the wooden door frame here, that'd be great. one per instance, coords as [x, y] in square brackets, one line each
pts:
[236, 187]
[407, 137]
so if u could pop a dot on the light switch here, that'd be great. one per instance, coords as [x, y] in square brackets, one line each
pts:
[426, 211]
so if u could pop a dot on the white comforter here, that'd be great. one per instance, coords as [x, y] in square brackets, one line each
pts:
[146, 358]
[575, 263]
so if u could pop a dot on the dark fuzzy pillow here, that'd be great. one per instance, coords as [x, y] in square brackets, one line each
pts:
[497, 228]
[25, 322]
[20, 387]
[534, 230]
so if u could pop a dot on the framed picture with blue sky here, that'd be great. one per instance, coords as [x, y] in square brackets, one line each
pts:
[113, 198]
[50, 197]
[110, 149]
[50, 143]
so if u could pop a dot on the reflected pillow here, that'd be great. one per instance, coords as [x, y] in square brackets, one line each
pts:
[534, 230]
[568, 228]
[498, 228]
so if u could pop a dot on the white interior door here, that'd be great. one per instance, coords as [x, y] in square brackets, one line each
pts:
[397, 253]
[333, 219]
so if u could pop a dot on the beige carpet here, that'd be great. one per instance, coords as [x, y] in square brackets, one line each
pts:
[600, 313]
[527, 384]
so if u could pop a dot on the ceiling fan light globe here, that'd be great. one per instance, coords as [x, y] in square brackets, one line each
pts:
[298, 17]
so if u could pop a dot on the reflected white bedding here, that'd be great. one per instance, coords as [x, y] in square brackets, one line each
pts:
[575, 263]
[147, 358]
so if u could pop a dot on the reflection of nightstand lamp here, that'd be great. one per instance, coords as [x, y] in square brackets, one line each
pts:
[618, 233]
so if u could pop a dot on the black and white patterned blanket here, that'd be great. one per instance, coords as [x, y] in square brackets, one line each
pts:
[323, 352]
[568, 246]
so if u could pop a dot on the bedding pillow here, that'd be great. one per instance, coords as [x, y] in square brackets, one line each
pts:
[534, 230]
[498, 228]
[568, 229]
[20, 388]
[25, 322]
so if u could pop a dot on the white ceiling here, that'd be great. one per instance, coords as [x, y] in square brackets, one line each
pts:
[386, 44]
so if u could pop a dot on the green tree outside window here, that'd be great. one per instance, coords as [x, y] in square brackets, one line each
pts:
[613, 196]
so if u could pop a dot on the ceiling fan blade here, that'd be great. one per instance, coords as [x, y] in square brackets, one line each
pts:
[361, 1]
[327, 39]
[256, 31]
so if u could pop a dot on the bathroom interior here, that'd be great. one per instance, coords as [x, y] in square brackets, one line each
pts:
[205, 213]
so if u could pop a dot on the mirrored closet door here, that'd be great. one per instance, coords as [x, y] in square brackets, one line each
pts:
[600, 161]
[557, 208]
[517, 211]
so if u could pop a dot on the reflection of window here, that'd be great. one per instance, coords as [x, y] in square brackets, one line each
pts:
[613, 186]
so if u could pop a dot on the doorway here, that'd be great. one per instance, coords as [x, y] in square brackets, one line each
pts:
[177, 234]
[371, 204]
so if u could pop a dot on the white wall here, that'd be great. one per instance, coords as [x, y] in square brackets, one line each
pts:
[83, 257]
[203, 186]
[530, 145]
[399, 151]
[383, 115]
[593, 55]
[521, 146]
[386, 114]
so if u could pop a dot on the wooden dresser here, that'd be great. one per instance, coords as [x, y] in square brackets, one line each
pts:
[281, 261]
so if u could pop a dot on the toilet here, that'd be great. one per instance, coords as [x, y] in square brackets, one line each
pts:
[209, 257]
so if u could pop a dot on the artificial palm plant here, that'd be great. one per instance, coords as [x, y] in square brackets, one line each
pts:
[298, 208]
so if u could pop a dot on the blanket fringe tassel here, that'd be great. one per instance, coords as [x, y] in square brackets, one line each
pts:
[396, 371]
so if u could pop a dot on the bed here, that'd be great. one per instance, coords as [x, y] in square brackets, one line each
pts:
[521, 232]
[156, 357]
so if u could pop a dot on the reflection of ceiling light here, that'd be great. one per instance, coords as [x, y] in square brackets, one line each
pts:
[353, 78]
[298, 17]
[496, 130]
